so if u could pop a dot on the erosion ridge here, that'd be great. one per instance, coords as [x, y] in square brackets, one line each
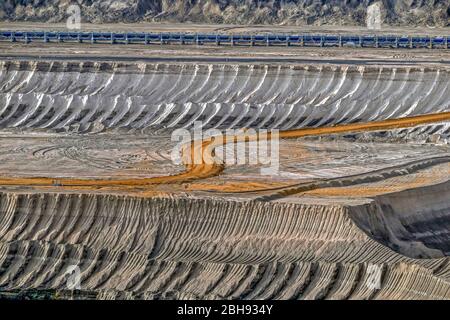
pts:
[400, 222]
[168, 95]
[291, 251]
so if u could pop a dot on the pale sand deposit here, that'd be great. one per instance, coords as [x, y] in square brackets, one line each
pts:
[87, 180]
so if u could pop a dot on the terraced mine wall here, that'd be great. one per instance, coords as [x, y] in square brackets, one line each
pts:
[81, 95]
[207, 248]
[176, 243]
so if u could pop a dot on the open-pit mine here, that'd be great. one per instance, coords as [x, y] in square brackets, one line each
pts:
[357, 205]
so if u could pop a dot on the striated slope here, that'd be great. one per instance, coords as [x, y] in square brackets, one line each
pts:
[204, 248]
[135, 96]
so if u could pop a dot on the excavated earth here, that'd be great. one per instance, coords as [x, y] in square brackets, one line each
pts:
[340, 209]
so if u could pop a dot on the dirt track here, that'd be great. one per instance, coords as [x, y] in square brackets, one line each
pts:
[210, 167]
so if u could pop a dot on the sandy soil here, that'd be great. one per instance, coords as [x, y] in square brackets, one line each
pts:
[223, 54]
[223, 28]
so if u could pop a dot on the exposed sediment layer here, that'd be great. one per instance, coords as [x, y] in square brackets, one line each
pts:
[413, 222]
[58, 95]
[209, 239]
[209, 248]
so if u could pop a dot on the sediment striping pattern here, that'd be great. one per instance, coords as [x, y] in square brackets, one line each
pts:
[186, 241]
[62, 94]
[180, 248]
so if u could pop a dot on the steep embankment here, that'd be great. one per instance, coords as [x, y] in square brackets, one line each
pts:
[413, 222]
[82, 95]
[296, 12]
[203, 248]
